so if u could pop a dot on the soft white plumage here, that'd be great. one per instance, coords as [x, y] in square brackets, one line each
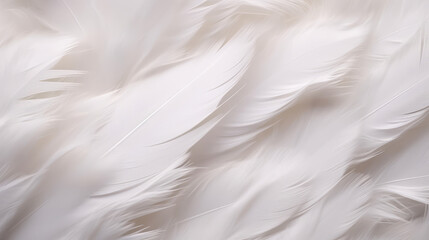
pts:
[214, 119]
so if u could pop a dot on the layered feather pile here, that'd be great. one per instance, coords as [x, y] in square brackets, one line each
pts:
[214, 119]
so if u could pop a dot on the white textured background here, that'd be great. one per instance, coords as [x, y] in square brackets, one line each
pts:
[214, 119]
